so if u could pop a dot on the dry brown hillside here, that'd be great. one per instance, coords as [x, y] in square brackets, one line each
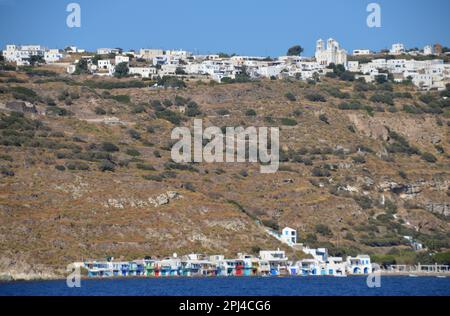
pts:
[362, 166]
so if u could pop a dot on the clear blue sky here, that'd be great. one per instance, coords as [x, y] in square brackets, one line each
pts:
[256, 27]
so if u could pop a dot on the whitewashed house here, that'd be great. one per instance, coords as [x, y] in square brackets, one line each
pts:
[360, 264]
[144, 72]
[104, 64]
[53, 55]
[107, 51]
[121, 59]
[289, 236]
[353, 66]
[277, 260]
[428, 50]
[150, 53]
[159, 60]
[397, 49]
[361, 52]
[21, 54]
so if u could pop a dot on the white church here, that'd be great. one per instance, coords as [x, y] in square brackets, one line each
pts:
[330, 54]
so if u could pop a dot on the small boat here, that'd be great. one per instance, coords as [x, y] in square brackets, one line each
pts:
[441, 276]
[340, 275]
[413, 276]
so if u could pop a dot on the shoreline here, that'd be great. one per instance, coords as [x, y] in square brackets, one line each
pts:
[85, 278]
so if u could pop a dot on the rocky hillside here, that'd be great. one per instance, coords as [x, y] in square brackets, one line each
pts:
[86, 169]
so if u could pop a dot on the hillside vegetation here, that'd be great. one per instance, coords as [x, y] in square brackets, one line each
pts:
[362, 165]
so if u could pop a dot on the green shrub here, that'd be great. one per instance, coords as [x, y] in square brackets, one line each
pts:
[400, 145]
[316, 97]
[290, 96]
[106, 166]
[324, 118]
[109, 147]
[171, 82]
[57, 111]
[350, 106]
[103, 84]
[189, 186]
[250, 112]
[363, 201]
[134, 134]
[382, 98]
[122, 98]
[427, 98]
[271, 223]
[223, 112]
[170, 116]
[286, 121]
[24, 94]
[179, 166]
[167, 102]
[324, 230]
[320, 172]
[428, 157]
[133, 152]
[335, 92]
[7, 172]
[99, 111]
[144, 166]
[77, 165]
[411, 109]
[192, 109]
[359, 159]
[60, 168]
[136, 109]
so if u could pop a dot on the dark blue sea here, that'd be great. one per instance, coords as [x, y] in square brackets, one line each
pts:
[252, 286]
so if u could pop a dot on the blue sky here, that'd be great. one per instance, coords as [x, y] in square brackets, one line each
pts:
[256, 27]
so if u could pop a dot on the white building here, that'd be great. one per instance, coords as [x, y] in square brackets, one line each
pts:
[353, 66]
[428, 50]
[121, 59]
[360, 264]
[331, 54]
[107, 51]
[397, 49]
[74, 50]
[21, 54]
[144, 72]
[361, 52]
[53, 55]
[104, 64]
[289, 236]
[150, 53]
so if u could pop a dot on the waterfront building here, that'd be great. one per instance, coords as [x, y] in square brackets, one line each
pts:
[360, 264]
[277, 261]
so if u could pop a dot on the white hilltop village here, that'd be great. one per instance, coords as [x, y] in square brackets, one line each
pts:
[424, 68]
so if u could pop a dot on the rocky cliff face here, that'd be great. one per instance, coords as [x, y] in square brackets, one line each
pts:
[72, 187]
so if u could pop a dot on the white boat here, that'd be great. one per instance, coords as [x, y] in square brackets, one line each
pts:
[441, 276]
[413, 276]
